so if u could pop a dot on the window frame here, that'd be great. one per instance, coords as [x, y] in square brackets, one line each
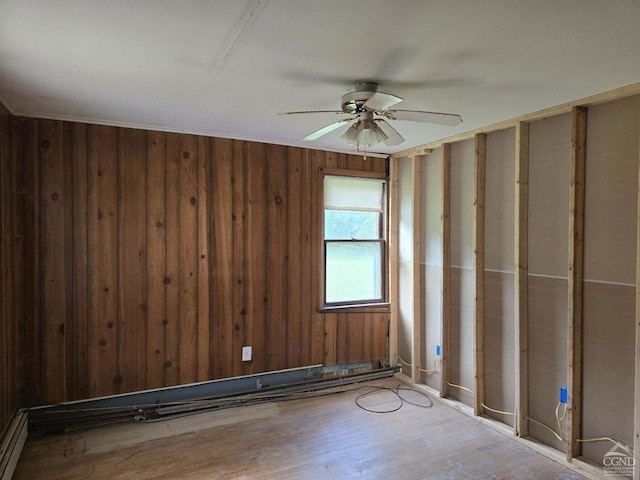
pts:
[383, 241]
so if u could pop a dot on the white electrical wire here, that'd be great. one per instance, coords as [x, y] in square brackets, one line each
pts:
[460, 387]
[559, 436]
[429, 371]
[497, 411]
[626, 448]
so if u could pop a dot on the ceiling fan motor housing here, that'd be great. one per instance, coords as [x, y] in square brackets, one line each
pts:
[353, 102]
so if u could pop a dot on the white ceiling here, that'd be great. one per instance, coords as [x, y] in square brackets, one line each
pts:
[227, 67]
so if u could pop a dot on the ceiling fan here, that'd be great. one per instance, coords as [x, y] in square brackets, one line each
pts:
[368, 111]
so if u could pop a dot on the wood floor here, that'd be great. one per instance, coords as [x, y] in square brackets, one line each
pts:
[328, 437]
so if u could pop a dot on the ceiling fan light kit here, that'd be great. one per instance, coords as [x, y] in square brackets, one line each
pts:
[364, 132]
[369, 111]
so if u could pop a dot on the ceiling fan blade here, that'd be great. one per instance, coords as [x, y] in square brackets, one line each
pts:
[380, 101]
[394, 137]
[324, 130]
[339, 112]
[439, 118]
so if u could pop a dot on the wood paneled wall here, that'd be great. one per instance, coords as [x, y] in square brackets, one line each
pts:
[11, 325]
[151, 258]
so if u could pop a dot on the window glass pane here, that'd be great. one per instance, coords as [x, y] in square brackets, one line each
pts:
[348, 225]
[353, 271]
[353, 193]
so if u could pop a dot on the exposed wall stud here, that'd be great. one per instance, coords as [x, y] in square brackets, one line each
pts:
[478, 255]
[446, 268]
[521, 272]
[416, 217]
[576, 248]
[636, 422]
[393, 260]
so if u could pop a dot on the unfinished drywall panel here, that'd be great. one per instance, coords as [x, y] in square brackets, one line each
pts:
[549, 153]
[461, 342]
[611, 188]
[499, 333]
[431, 264]
[499, 345]
[499, 201]
[608, 366]
[547, 344]
[405, 261]
[548, 224]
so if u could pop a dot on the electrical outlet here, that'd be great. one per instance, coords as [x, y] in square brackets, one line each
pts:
[438, 351]
[246, 354]
[564, 395]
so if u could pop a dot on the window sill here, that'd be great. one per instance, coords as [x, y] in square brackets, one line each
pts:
[382, 307]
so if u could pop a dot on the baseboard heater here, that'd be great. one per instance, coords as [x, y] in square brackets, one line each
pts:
[163, 402]
[11, 444]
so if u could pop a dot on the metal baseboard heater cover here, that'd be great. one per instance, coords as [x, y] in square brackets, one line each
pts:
[215, 394]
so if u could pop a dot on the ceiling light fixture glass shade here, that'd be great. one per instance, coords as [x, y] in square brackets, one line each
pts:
[365, 132]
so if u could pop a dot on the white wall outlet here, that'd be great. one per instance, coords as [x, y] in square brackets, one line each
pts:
[246, 354]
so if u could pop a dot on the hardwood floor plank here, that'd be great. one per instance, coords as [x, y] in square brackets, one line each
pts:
[323, 437]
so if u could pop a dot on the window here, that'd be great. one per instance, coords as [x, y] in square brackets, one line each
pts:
[354, 240]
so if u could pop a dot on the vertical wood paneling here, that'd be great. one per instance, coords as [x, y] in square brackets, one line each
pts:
[380, 341]
[240, 276]
[256, 242]
[188, 273]
[53, 307]
[71, 380]
[317, 160]
[223, 282]
[331, 338]
[295, 273]
[169, 253]
[307, 265]
[172, 255]
[202, 259]
[156, 236]
[32, 284]
[11, 229]
[12, 146]
[80, 252]
[132, 259]
[276, 257]
[103, 261]
[355, 337]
